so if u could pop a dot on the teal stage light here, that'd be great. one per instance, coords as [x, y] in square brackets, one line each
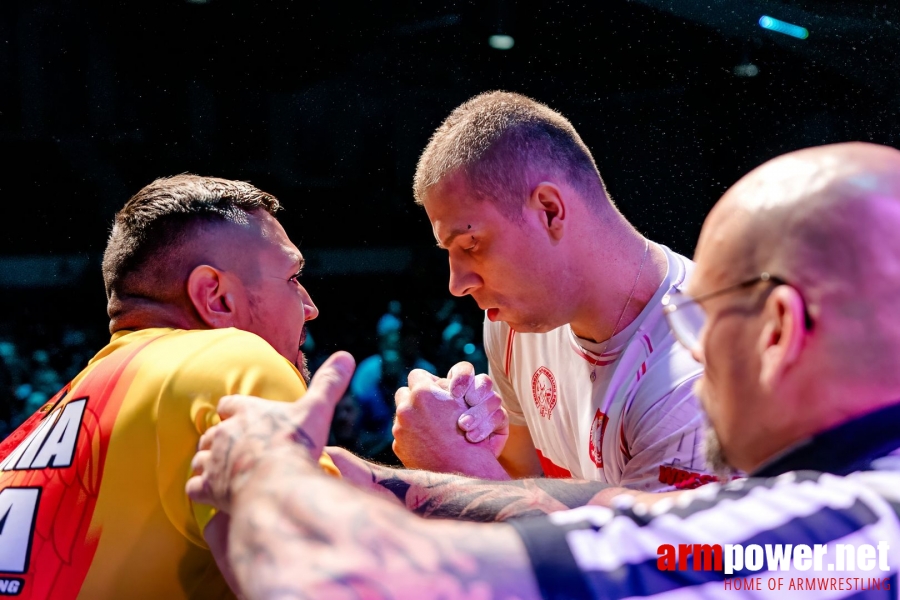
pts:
[773, 24]
[501, 42]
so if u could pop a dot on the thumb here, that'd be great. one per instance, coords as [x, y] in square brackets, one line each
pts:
[316, 409]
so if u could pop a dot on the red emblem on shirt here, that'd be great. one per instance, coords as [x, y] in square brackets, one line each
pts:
[543, 388]
[595, 448]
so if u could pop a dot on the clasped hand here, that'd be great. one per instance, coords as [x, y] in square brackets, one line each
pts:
[450, 425]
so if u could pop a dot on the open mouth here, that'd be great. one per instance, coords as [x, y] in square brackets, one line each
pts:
[492, 314]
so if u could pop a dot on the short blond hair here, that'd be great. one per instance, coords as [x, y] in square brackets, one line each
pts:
[496, 139]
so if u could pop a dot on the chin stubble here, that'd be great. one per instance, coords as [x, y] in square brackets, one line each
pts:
[304, 369]
[715, 456]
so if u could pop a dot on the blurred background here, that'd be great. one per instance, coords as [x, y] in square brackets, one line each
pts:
[328, 104]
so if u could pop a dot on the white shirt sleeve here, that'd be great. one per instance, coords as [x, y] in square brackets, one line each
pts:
[665, 438]
[495, 341]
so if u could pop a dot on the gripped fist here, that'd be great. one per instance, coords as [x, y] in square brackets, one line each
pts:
[252, 429]
[450, 425]
[485, 419]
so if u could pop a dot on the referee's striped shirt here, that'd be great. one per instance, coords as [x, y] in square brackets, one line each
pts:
[841, 487]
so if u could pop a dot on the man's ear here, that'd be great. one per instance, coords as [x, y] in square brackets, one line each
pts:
[783, 334]
[547, 199]
[210, 293]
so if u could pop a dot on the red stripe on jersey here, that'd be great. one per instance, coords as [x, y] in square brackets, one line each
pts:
[63, 545]
[649, 345]
[642, 371]
[552, 470]
[595, 361]
[682, 479]
[509, 346]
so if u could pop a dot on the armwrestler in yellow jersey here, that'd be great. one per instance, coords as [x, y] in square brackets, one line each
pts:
[204, 301]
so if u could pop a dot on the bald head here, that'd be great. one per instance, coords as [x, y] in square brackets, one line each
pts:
[826, 220]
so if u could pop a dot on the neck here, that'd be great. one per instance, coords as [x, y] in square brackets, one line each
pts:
[832, 405]
[620, 279]
[138, 313]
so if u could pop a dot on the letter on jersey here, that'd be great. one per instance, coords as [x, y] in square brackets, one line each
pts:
[18, 508]
[52, 444]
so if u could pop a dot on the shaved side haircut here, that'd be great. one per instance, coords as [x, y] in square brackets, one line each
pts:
[500, 140]
[142, 254]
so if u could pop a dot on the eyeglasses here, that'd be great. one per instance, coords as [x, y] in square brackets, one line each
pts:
[686, 317]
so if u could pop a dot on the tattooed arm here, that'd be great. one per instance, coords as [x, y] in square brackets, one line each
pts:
[299, 533]
[439, 495]
[296, 532]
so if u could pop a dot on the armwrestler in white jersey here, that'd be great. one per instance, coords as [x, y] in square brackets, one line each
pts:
[594, 384]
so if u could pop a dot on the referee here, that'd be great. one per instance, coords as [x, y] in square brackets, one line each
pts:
[792, 310]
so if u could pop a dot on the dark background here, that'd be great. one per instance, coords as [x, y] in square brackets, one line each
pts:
[328, 104]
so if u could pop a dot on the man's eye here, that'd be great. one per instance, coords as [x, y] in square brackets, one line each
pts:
[296, 276]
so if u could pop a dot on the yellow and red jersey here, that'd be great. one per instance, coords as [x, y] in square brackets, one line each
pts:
[92, 500]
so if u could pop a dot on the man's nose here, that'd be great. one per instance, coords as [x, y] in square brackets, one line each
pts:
[310, 310]
[463, 280]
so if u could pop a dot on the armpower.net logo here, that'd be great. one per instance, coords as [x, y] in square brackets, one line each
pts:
[821, 567]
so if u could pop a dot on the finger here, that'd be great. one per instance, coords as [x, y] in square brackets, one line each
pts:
[475, 415]
[197, 491]
[198, 463]
[341, 456]
[206, 439]
[352, 467]
[316, 409]
[396, 428]
[482, 389]
[422, 388]
[228, 405]
[401, 397]
[460, 377]
[497, 421]
[421, 377]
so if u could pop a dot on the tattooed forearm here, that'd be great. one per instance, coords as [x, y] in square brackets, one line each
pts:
[439, 495]
[298, 533]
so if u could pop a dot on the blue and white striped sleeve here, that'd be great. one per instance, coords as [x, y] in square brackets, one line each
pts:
[594, 552]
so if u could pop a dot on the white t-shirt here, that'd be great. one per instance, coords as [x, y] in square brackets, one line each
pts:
[627, 416]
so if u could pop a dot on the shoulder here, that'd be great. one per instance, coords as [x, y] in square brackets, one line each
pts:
[680, 268]
[226, 340]
[192, 339]
[219, 350]
[669, 365]
[216, 363]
